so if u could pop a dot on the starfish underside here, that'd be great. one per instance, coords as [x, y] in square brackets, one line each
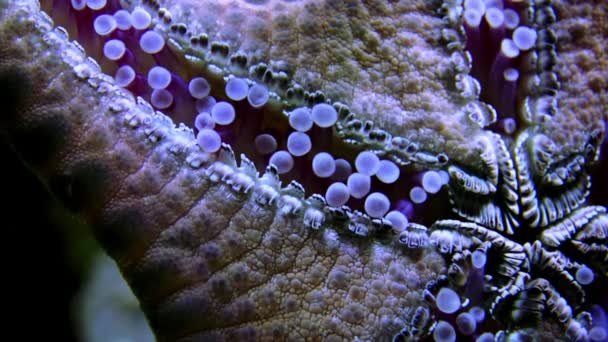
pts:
[214, 251]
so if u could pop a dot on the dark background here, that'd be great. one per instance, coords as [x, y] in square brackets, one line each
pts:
[39, 278]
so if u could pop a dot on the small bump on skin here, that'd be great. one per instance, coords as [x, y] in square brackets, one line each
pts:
[337, 194]
[509, 48]
[239, 60]
[444, 332]
[511, 74]
[388, 172]
[524, 38]
[223, 113]
[300, 119]
[478, 313]
[209, 140]
[494, 17]
[104, 24]
[236, 89]
[298, 144]
[282, 160]
[125, 75]
[398, 220]
[511, 18]
[584, 275]
[418, 195]
[161, 98]
[204, 120]
[323, 165]
[466, 323]
[510, 126]
[472, 17]
[448, 300]
[359, 185]
[96, 4]
[78, 4]
[478, 259]
[338, 278]
[199, 88]
[258, 96]
[123, 19]
[220, 49]
[367, 163]
[159, 77]
[343, 170]
[431, 182]
[151, 42]
[205, 104]
[486, 337]
[324, 115]
[598, 333]
[114, 49]
[377, 204]
[179, 28]
[140, 19]
[265, 144]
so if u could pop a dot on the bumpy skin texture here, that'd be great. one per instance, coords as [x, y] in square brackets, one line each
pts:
[206, 262]
[375, 56]
[582, 65]
[386, 60]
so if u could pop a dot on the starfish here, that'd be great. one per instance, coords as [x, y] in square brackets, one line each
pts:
[214, 251]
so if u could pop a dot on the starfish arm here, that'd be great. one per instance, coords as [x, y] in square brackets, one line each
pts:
[205, 260]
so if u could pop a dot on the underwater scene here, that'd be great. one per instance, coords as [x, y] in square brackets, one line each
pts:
[307, 170]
